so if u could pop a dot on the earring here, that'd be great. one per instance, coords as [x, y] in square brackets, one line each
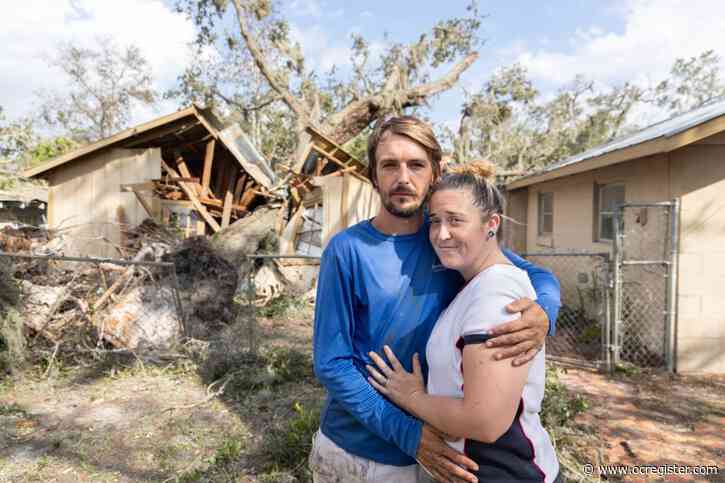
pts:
[491, 234]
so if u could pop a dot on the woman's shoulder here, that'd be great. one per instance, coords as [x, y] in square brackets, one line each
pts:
[503, 279]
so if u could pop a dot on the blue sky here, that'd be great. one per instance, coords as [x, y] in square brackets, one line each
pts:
[607, 41]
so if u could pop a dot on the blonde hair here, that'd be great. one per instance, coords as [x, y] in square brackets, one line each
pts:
[480, 178]
[412, 128]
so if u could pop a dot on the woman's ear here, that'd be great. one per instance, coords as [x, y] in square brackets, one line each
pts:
[494, 222]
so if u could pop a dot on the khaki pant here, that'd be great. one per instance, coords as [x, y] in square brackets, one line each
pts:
[331, 464]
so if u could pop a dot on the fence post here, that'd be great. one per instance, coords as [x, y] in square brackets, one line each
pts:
[615, 346]
[672, 286]
[252, 316]
[607, 330]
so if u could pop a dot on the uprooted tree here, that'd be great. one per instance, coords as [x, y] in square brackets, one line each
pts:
[340, 105]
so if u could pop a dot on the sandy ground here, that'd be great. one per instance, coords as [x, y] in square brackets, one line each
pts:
[152, 424]
[654, 419]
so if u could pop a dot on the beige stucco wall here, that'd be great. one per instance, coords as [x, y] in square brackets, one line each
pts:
[515, 227]
[698, 179]
[645, 180]
[85, 200]
[696, 175]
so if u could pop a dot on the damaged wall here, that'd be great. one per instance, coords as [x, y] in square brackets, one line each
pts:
[86, 196]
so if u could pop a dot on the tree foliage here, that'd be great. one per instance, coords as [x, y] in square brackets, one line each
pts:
[511, 123]
[259, 73]
[103, 86]
[16, 137]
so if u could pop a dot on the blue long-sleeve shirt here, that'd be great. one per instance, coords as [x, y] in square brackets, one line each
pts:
[375, 289]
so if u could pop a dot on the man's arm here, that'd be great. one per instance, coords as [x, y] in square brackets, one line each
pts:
[522, 338]
[333, 359]
[548, 290]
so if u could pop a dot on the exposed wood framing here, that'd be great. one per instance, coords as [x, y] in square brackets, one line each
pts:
[145, 204]
[239, 189]
[208, 161]
[190, 192]
[227, 211]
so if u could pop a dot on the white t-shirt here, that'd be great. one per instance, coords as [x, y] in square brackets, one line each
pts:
[479, 306]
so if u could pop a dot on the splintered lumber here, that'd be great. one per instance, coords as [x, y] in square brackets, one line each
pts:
[145, 205]
[194, 200]
[239, 188]
[176, 180]
[220, 204]
[184, 170]
[247, 198]
[227, 211]
[208, 161]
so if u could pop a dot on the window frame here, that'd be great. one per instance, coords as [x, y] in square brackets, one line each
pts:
[541, 214]
[600, 190]
[317, 207]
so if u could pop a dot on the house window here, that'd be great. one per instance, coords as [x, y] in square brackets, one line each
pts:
[608, 198]
[546, 214]
[309, 238]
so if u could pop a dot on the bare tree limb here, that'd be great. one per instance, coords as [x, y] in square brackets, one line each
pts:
[357, 115]
[256, 51]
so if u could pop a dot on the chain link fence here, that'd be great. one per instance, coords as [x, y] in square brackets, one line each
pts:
[86, 301]
[583, 325]
[248, 296]
[645, 245]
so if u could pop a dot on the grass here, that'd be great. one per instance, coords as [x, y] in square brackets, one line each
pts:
[558, 410]
[288, 447]
[559, 406]
[284, 306]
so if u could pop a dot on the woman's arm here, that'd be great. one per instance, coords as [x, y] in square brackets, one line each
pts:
[492, 391]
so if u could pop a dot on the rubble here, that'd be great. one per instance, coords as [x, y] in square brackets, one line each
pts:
[207, 286]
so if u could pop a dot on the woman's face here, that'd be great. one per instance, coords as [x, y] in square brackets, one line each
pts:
[457, 232]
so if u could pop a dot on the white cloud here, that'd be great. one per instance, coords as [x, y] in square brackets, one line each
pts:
[306, 8]
[32, 29]
[321, 51]
[655, 33]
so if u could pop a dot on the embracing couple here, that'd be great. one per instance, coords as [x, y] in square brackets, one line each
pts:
[427, 336]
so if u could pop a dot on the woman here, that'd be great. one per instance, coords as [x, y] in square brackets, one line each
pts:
[489, 409]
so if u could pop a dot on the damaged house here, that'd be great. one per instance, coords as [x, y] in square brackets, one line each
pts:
[186, 170]
[22, 203]
[329, 191]
[190, 171]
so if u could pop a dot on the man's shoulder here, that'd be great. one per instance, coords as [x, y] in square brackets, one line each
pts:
[350, 238]
[351, 235]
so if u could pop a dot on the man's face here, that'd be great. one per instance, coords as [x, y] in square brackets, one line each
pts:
[404, 175]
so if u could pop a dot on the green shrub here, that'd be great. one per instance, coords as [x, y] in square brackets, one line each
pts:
[289, 365]
[282, 306]
[559, 406]
[288, 447]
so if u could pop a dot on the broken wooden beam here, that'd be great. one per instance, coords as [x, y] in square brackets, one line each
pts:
[227, 211]
[208, 161]
[189, 191]
[241, 182]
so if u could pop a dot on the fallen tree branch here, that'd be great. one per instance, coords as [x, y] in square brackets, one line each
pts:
[209, 397]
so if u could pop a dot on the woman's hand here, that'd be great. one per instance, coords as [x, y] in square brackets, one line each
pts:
[399, 385]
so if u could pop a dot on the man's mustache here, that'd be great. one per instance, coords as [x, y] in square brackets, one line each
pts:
[399, 190]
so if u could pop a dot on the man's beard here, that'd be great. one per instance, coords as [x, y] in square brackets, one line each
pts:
[394, 210]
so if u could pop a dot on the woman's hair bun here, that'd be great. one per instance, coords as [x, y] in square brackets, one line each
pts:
[480, 168]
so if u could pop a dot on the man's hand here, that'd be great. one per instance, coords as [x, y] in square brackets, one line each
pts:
[522, 338]
[441, 461]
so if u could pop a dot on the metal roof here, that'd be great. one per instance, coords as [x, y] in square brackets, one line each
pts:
[664, 129]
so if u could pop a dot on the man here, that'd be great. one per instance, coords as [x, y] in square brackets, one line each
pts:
[380, 283]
